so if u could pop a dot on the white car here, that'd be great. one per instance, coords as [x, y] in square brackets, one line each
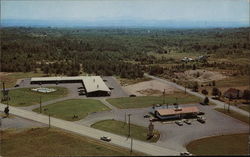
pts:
[187, 121]
[185, 154]
[105, 138]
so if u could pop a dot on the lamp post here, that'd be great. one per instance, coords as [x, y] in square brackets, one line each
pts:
[129, 129]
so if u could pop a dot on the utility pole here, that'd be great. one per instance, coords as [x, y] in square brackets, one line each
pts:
[129, 131]
[49, 120]
[40, 104]
[185, 88]
[131, 146]
[125, 119]
[164, 96]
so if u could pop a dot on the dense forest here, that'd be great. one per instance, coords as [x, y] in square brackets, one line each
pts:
[117, 51]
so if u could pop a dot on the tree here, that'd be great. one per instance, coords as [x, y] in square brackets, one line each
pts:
[194, 67]
[246, 95]
[204, 91]
[213, 83]
[6, 111]
[216, 92]
[206, 101]
[195, 87]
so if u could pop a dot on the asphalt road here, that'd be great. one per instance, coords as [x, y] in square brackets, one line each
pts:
[218, 103]
[93, 133]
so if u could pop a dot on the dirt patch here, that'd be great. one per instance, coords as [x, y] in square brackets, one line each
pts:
[2, 74]
[201, 75]
[152, 87]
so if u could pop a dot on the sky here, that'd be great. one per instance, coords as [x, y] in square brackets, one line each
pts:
[146, 11]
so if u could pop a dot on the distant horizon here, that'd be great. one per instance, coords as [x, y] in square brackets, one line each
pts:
[126, 13]
[119, 23]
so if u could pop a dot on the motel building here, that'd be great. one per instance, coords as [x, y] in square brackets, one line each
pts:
[92, 85]
[176, 113]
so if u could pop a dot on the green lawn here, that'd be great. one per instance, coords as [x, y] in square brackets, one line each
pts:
[10, 79]
[27, 97]
[234, 115]
[79, 107]
[121, 128]
[55, 142]
[146, 101]
[236, 144]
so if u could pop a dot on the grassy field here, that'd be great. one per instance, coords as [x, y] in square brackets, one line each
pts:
[121, 128]
[235, 144]
[26, 97]
[55, 142]
[233, 82]
[234, 115]
[246, 108]
[79, 107]
[146, 101]
[10, 79]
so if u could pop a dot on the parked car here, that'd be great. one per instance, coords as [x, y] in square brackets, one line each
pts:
[201, 113]
[179, 123]
[185, 154]
[146, 116]
[105, 138]
[201, 119]
[187, 121]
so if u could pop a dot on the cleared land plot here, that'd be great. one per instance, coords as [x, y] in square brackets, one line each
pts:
[234, 115]
[235, 144]
[26, 97]
[121, 128]
[146, 101]
[125, 81]
[150, 88]
[10, 78]
[55, 142]
[78, 107]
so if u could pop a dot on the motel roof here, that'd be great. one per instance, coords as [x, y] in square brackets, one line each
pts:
[91, 83]
[173, 111]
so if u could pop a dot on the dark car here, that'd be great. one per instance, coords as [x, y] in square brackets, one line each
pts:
[179, 123]
[105, 138]
[201, 119]
[146, 116]
[201, 113]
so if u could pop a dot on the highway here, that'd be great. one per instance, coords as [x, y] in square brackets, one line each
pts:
[218, 103]
[140, 146]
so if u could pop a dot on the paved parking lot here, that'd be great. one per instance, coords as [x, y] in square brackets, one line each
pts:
[110, 81]
[172, 135]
